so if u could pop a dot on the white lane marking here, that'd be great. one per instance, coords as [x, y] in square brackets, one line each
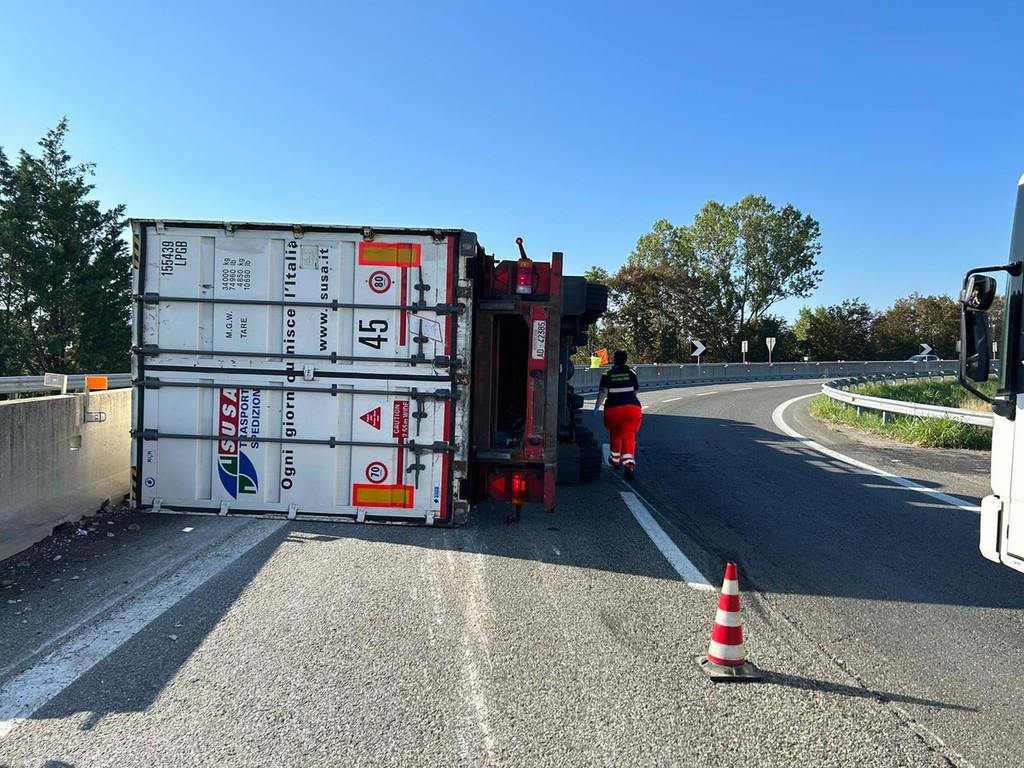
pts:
[21, 696]
[702, 394]
[671, 399]
[687, 570]
[896, 479]
[740, 389]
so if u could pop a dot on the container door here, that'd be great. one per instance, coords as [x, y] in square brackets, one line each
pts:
[301, 376]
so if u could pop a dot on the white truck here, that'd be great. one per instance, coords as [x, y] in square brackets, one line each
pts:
[351, 372]
[1002, 513]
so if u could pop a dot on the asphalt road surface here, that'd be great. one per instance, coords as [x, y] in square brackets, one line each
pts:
[566, 639]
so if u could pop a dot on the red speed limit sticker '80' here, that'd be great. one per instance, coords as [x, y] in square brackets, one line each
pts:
[380, 282]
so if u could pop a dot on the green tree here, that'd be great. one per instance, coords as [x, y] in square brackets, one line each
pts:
[654, 302]
[757, 333]
[899, 331]
[751, 255]
[893, 334]
[838, 332]
[65, 281]
[729, 268]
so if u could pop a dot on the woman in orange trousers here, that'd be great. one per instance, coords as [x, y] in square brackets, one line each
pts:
[622, 413]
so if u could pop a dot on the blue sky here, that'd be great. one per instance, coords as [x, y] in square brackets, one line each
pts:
[576, 125]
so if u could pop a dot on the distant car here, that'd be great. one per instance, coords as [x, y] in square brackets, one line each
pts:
[923, 359]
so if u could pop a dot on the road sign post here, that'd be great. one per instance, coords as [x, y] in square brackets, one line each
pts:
[744, 348]
[698, 350]
[770, 342]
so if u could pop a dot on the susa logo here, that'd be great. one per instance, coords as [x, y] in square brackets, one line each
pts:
[237, 473]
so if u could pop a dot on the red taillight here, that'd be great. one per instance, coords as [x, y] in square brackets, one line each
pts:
[519, 493]
[524, 270]
[524, 276]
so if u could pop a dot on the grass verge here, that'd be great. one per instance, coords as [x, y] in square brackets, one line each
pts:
[928, 433]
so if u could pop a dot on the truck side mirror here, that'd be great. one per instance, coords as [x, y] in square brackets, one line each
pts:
[976, 354]
[978, 293]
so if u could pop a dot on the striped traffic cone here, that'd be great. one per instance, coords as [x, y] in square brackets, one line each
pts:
[726, 658]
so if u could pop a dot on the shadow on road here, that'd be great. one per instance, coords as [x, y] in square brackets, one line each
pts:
[885, 697]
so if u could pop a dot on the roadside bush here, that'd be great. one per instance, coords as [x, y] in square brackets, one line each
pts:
[927, 433]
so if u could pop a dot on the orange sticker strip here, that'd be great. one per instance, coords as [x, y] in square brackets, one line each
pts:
[382, 495]
[389, 254]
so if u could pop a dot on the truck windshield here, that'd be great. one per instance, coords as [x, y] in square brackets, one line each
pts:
[1009, 376]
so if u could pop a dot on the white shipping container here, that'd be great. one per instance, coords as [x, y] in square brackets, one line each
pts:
[301, 370]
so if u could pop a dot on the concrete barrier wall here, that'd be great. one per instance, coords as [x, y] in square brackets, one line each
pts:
[586, 379]
[55, 467]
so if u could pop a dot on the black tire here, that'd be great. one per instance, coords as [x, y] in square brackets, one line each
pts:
[590, 461]
[597, 298]
[584, 435]
[568, 469]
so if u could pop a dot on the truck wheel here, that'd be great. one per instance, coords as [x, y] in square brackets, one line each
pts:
[568, 459]
[590, 461]
[584, 435]
[597, 298]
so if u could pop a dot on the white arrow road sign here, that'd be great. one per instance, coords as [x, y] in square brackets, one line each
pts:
[770, 342]
[698, 346]
[926, 349]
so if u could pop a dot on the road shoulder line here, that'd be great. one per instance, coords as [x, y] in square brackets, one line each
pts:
[777, 417]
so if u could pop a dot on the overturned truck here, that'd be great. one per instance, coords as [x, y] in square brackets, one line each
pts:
[352, 372]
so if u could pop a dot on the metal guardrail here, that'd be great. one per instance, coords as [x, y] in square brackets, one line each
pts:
[26, 385]
[585, 381]
[921, 410]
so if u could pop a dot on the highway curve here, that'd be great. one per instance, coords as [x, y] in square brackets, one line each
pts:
[566, 639]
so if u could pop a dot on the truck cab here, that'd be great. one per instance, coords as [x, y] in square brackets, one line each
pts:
[1002, 512]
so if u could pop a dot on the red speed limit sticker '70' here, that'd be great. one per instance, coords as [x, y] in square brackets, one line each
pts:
[376, 472]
